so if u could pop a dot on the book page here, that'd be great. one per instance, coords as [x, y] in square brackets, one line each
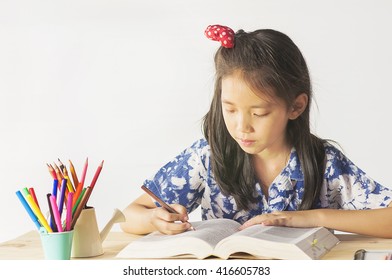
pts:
[277, 234]
[277, 242]
[214, 230]
[198, 242]
[211, 231]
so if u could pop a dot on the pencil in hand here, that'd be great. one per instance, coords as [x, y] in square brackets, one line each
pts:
[163, 204]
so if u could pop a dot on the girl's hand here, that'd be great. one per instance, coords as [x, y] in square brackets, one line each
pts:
[284, 218]
[169, 223]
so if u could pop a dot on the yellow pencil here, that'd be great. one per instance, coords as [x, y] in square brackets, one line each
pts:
[73, 174]
[69, 184]
[38, 213]
[64, 170]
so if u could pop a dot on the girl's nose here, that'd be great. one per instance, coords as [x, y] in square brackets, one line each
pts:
[243, 124]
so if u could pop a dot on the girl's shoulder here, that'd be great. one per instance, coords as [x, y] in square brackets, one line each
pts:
[337, 163]
[200, 143]
[332, 152]
[199, 147]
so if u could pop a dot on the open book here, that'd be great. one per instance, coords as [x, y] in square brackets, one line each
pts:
[221, 238]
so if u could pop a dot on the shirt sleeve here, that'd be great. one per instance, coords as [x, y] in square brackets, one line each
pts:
[183, 179]
[348, 187]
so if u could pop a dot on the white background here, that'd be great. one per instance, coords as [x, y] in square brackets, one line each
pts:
[128, 82]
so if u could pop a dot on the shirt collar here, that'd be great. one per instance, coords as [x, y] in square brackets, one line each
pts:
[293, 168]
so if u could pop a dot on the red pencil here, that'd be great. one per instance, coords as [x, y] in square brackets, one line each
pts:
[32, 192]
[52, 171]
[96, 175]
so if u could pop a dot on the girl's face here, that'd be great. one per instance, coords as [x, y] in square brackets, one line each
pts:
[256, 121]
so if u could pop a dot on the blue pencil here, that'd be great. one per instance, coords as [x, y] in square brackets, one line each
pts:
[62, 196]
[54, 191]
[28, 209]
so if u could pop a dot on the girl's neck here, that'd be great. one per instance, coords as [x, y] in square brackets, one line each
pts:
[274, 155]
[272, 160]
[269, 164]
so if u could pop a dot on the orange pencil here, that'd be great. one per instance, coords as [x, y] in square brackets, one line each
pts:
[80, 186]
[59, 174]
[78, 191]
[81, 206]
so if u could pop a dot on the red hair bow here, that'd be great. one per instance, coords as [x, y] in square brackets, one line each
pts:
[222, 34]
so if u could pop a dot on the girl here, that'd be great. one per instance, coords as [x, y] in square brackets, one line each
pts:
[259, 163]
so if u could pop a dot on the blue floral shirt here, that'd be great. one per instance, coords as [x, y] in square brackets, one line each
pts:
[189, 181]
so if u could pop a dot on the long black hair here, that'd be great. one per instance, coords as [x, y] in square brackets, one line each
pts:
[273, 64]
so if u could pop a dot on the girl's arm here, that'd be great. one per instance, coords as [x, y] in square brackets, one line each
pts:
[142, 217]
[375, 222]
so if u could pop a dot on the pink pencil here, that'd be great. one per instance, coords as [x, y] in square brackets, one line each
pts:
[79, 187]
[69, 212]
[56, 213]
[83, 178]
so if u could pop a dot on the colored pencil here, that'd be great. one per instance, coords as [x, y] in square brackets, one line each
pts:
[81, 206]
[55, 187]
[93, 182]
[68, 219]
[62, 166]
[62, 196]
[78, 192]
[80, 186]
[56, 213]
[28, 209]
[60, 178]
[25, 191]
[52, 222]
[38, 213]
[75, 206]
[52, 171]
[162, 203]
[32, 192]
[73, 174]
[69, 184]
[83, 178]
[64, 170]
[59, 174]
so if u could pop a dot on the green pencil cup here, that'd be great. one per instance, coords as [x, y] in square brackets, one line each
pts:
[57, 245]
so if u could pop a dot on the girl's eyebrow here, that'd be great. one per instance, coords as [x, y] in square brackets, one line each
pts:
[256, 106]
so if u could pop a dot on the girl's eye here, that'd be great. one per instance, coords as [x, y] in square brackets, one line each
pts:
[230, 111]
[260, 115]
